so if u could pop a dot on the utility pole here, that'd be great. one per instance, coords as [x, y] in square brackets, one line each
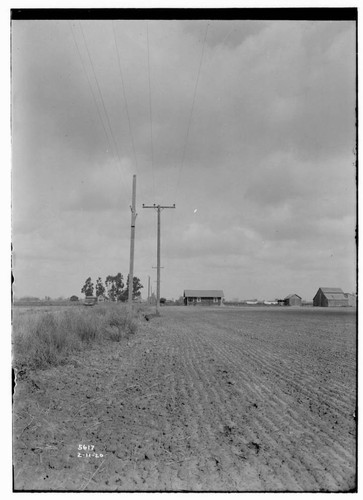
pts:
[158, 208]
[132, 242]
[148, 290]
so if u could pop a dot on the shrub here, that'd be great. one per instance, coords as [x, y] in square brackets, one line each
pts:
[46, 339]
[40, 341]
[119, 323]
[81, 324]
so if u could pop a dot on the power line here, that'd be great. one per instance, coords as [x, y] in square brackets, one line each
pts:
[191, 111]
[100, 94]
[230, 33]
[150, 107]
[91, 88]
[124, 94]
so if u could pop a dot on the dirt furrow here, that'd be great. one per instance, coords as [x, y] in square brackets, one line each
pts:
[215, 400]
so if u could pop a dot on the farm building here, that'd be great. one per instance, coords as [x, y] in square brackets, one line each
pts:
[203, 297]
[330, 297]
[293, 300]
[352, 299]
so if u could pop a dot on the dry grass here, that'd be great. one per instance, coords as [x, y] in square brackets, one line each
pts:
[48, 339]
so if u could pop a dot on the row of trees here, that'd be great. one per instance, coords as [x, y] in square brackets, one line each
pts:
[114, 288]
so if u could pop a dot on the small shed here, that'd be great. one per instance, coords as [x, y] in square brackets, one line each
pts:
[293, 300]
[330, 297]
[203, 297]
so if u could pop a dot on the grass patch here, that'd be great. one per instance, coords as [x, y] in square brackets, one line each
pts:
[46, 339]
[119, 323]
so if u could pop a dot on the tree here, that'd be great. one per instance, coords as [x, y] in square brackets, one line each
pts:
[88, 288]
[74, 298]
[114, 286]
[136, 289]
[100, 289]
[111, 289]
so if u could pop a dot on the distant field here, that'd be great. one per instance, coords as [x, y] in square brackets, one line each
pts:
[46, 303]
[200, 399]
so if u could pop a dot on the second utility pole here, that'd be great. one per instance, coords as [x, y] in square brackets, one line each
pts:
[158, 208]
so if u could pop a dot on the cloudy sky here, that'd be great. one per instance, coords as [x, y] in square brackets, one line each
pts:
[247, 126]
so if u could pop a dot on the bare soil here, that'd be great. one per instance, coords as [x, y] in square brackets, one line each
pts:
[217, 399]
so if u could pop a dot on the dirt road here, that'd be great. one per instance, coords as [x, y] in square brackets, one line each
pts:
[199, 400]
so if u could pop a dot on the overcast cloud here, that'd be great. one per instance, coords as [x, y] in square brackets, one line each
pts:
[267, 156]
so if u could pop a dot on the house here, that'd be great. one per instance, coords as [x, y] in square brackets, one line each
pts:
[203, 297]
[293, 300]
[330, 297]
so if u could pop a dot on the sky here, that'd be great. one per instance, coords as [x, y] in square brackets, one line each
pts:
[247, 126]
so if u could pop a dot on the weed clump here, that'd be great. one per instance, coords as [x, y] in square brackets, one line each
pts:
[42, 341]
[119, 324]
[84, 326]
[47, 339]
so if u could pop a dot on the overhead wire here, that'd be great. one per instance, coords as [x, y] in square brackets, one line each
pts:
[150, 107]
[191, 112]
[91, 88]
[227, 36]
[100, 94]
[124, 95]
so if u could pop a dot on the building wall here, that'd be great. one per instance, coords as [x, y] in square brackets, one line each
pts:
[293, 301]
[352, 301]
[205, 301]
[338, 303]
[320, 300]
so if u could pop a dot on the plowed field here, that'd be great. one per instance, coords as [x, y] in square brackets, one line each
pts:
[217, 399]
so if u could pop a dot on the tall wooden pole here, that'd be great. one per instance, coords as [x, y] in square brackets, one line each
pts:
[132, 242]
[158, 208]
[158, 265]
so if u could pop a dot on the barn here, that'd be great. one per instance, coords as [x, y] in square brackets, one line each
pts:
[352, 299]
[203, 297]
[293, 300]
[330, 297]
